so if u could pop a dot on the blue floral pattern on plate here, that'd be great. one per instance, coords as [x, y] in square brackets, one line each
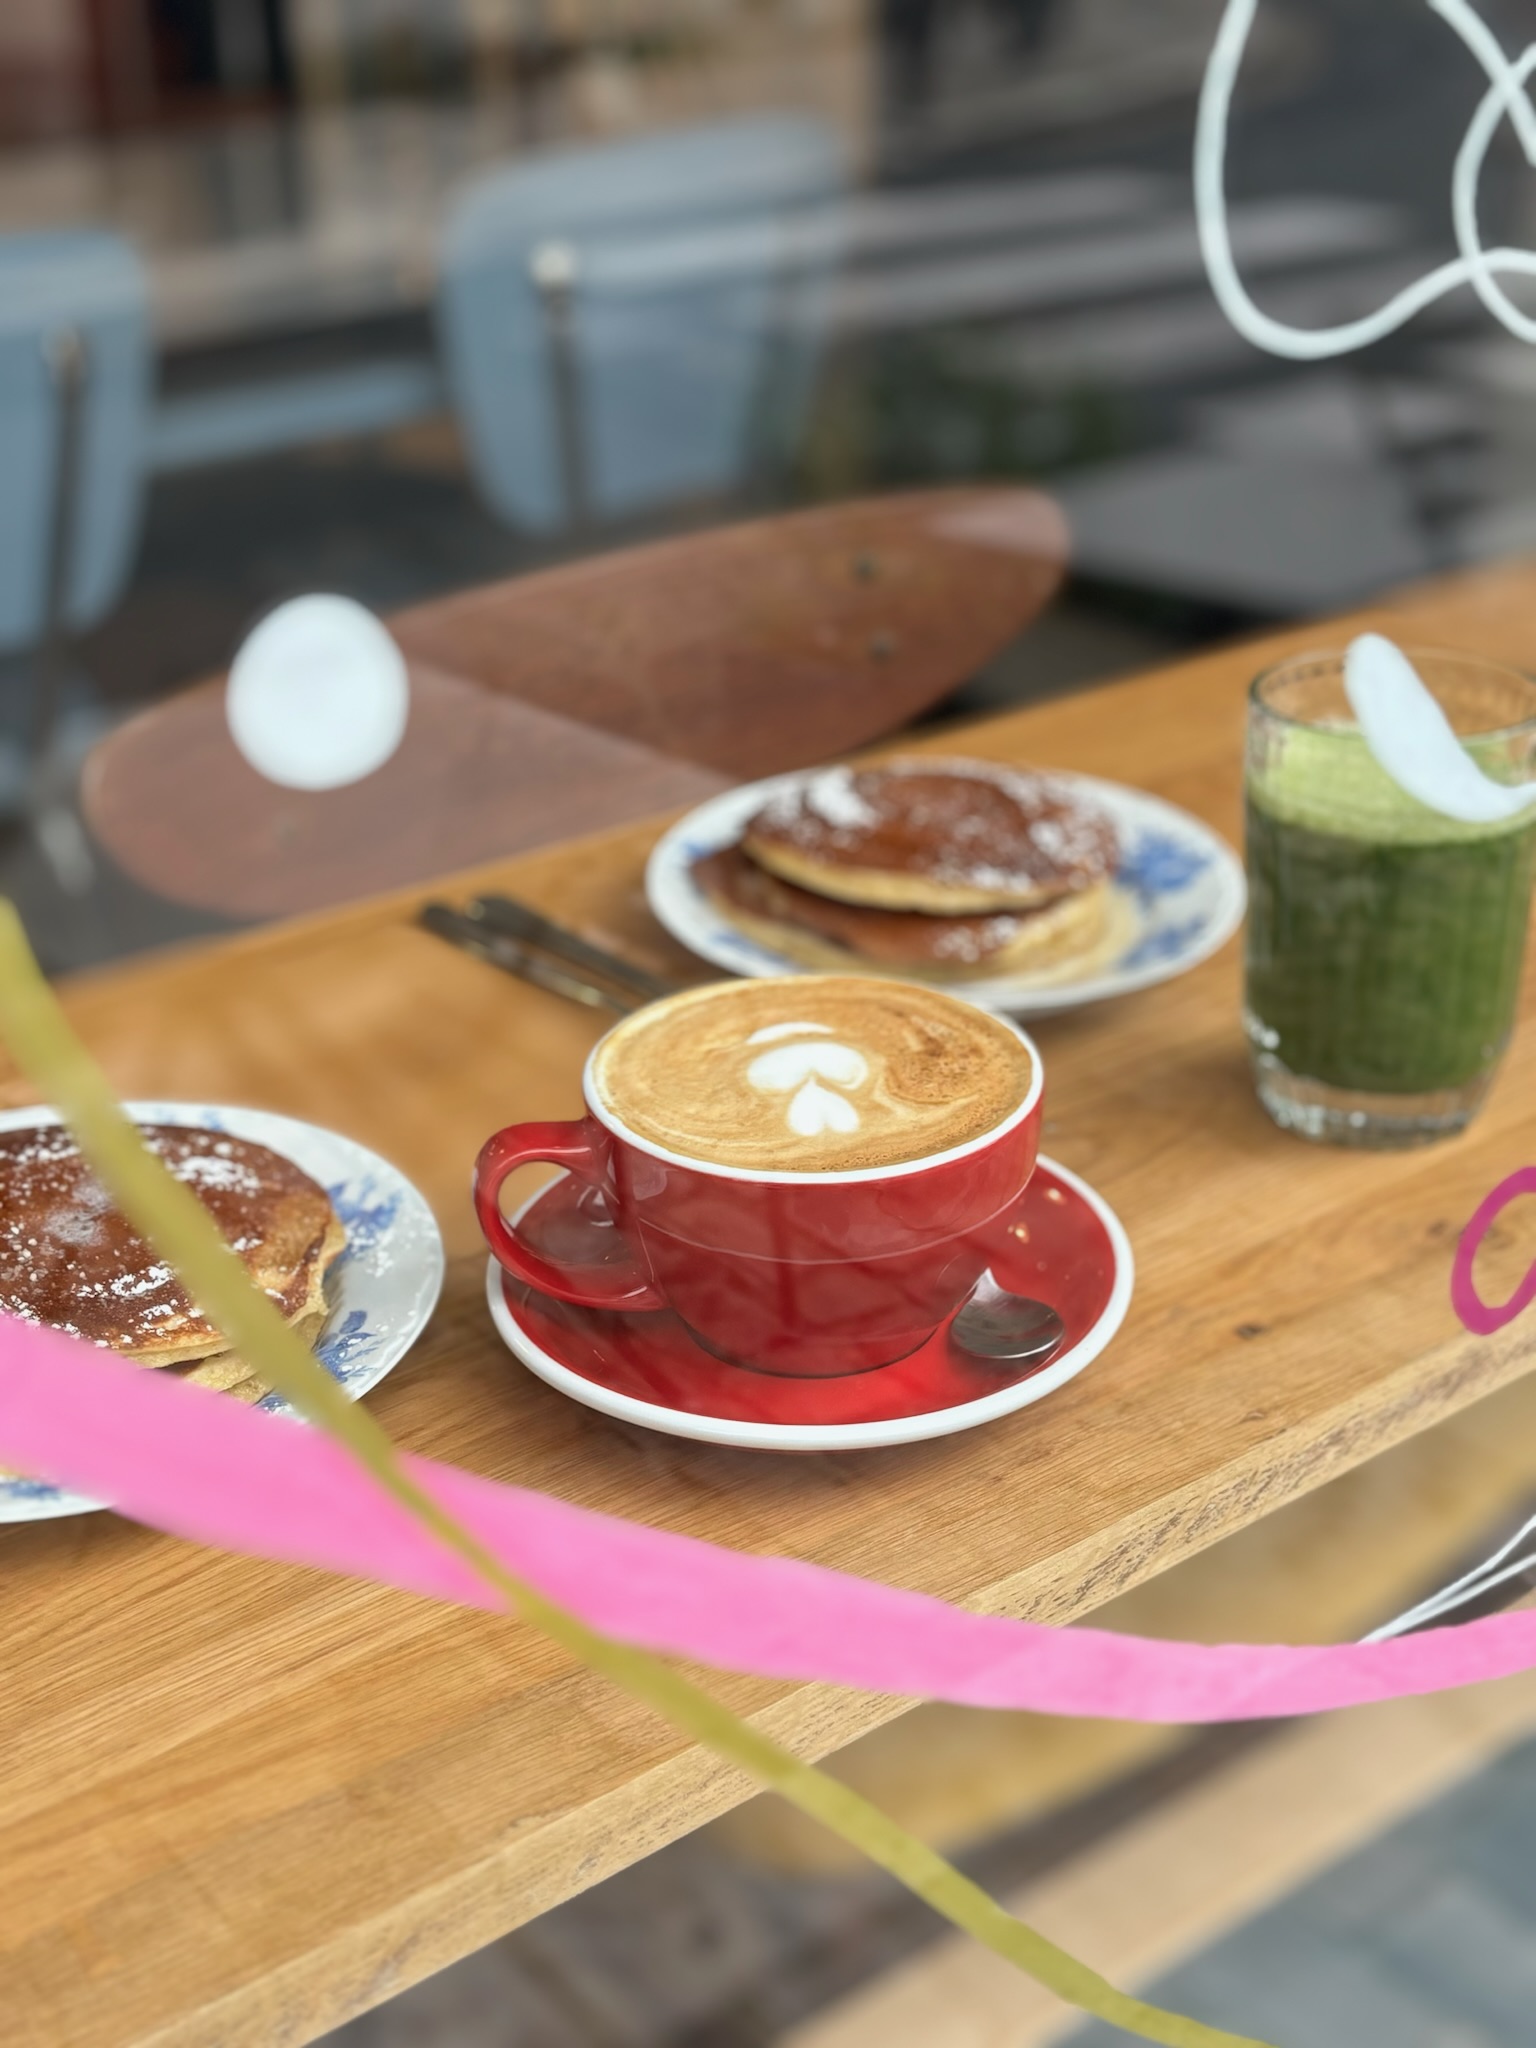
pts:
[1178, 895]
[1161, 864]
[1166, 942]
[382, 1289]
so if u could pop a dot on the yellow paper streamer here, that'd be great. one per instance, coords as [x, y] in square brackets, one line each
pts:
[34, 1028]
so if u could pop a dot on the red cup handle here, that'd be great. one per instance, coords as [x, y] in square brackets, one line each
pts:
[578, 1147]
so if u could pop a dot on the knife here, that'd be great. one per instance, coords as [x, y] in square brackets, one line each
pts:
[471, 935]
[527, 927]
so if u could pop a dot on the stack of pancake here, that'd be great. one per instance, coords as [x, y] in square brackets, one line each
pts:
[946, 870]
[70, 1260]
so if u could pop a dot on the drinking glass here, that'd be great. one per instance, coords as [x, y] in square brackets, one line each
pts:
[1385, 940]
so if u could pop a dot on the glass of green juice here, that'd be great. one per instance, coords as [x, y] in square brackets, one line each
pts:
[1385, 940]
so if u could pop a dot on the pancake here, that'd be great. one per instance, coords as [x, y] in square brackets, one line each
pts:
[952, 838]
[70, 1260]
[227, 1373]
[818, 931]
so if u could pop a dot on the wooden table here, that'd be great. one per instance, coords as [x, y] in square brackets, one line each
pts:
[242, 1802]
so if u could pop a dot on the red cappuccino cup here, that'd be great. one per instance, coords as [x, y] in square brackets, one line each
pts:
[808, 1170]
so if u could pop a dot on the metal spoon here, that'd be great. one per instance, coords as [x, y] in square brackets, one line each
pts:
[1008, 1327]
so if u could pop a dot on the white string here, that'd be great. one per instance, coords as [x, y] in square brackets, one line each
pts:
[1468, 1587]
[1506, 94]
[1475, 265]
[1432, 1610]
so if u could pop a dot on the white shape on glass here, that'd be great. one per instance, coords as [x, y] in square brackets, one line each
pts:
[318, 695]
[1412, 738]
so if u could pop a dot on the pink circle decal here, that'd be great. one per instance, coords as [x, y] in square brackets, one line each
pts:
[1481, 1318]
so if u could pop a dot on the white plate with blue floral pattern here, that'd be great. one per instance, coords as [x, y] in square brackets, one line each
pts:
[382, 1289]
[1179, 894]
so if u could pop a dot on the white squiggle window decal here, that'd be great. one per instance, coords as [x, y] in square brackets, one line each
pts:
[1506, 98]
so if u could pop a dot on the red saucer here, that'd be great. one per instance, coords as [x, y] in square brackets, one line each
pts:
[1062, 1245]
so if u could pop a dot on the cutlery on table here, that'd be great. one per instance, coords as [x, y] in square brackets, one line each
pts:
[529, 927]
[471, 936]
[1010, 1328]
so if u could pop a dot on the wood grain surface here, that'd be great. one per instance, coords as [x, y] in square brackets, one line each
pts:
[241, 1802]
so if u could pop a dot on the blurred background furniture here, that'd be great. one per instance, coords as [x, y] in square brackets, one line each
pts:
[629, 327]
[676, 365]
[1294, 499]
[620, 326]
[74, 401]
[767, 645]
[601, 691]
[74, 408]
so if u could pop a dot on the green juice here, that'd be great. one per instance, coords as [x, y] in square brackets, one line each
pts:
[1384, 941]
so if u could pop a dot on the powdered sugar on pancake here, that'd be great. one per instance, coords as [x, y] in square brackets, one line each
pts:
[69, 1259]
[216, 1169]
[956, 824]
[975, 939]
[833, 797]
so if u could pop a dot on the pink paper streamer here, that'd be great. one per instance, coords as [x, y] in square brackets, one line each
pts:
[192, 1463]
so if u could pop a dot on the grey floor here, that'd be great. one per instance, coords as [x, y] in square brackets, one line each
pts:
[1424, 1939]
[697, 1948]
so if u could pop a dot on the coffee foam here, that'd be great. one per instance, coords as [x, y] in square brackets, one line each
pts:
[811, 1073]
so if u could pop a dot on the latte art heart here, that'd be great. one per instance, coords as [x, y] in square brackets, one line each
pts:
[801, 1069]
[816, 1109]
[811, 1074]
[788, 1065]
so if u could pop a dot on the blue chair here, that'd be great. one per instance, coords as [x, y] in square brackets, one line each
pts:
[75, 390]
[75, 394]
[637, 324]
